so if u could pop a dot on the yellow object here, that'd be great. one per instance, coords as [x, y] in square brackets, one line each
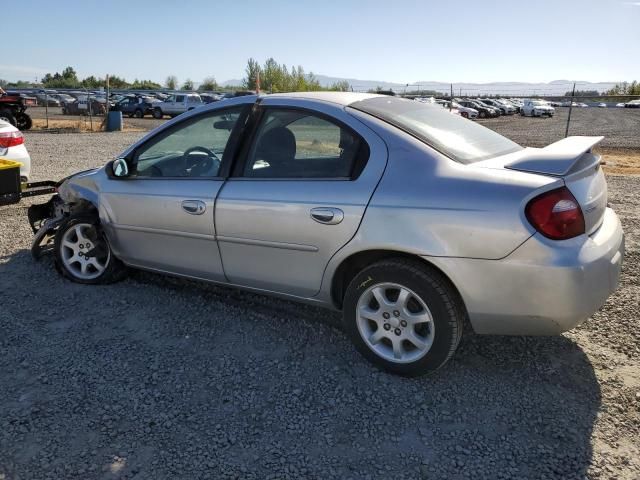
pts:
[8, 164]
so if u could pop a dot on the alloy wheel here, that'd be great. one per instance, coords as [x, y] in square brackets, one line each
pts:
[395, 322]
[84, 254]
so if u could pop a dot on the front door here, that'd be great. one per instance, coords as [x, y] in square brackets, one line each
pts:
[161, 217]
[297, 197]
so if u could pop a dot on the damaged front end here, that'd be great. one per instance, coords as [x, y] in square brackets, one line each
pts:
[45, 218]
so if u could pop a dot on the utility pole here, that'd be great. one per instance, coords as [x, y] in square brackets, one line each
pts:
[451, 98]
[573, 93]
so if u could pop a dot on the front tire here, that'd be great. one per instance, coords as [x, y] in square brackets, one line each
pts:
[157, 113]
[83, 253]
[403, 316]
[139, 113]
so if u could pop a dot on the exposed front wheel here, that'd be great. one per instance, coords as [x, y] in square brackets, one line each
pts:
[83, 253]
[157, 113]
[403, 316]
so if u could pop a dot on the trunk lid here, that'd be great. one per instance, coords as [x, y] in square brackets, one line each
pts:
[571, 160]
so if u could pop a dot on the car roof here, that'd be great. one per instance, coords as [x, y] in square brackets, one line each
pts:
[341, 98]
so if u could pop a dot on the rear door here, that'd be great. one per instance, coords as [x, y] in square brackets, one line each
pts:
[297, 196]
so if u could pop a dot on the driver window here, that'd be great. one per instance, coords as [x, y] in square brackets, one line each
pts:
[195, 149]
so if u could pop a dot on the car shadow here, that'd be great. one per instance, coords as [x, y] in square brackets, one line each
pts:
[266, 383]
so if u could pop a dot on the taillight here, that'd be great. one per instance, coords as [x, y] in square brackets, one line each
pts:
[556, 214]
[11, 139]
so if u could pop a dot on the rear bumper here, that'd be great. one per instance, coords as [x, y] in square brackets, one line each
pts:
[544, 287]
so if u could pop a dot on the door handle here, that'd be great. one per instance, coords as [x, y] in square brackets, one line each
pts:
[194, 207]
[327, 215]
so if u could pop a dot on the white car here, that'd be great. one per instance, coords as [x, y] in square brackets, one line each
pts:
[602, 105]
[620, 105]
[466, 112]
[177, 104]
[12, 148]
[537, 108]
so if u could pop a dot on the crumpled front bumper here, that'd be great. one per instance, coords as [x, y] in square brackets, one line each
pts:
[544, 287]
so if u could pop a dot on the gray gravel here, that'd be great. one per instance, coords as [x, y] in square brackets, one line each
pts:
[160, 378]
[620, 126]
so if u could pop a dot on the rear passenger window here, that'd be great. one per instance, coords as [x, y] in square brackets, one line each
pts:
[180, 98]
[299, 144]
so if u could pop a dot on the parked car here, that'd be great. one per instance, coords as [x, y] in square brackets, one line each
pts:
[177, 104]
[408, 219]
[602, 105]
[136, 106]
[466, 112]
[210, 97]
[500, 108]
[47, 99]
[633, 104]
[12, 148]
[63, 98]
[484, 111]
[84, 106]
[620, 105]
[537, 108]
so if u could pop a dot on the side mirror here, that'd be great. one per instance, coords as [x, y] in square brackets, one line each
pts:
[120, 167]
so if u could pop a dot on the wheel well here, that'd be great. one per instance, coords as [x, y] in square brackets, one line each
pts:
[350, 267]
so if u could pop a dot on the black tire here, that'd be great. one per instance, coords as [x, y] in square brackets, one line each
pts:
[482, 114]
[130, 114]
[433, 288]
[157, 113]
[139, 113]
[8, 116]
[23, 121]
[114, 269]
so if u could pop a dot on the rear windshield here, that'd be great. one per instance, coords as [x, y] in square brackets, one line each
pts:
[460, 139]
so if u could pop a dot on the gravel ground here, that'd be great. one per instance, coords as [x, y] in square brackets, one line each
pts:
[160, 378]
[620, 126]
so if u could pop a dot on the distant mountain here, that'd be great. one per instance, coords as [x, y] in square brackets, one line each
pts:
[555, 87]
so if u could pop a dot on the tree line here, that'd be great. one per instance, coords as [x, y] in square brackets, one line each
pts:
[68, 78]
[274, 78]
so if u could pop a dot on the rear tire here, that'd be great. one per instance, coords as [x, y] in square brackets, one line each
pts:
[83, 254]
[7, 116]
[138, 113]
[482, 114]
[403, 316]
[23, 121]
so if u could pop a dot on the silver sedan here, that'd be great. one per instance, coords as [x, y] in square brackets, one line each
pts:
[410, 220]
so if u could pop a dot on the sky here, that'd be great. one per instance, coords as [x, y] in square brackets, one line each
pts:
[446, 40]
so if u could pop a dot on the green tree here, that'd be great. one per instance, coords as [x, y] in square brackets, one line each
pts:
[188, 84]
[208, 84]
[145, 85]
[341, 86]
[252, 72]
[171, 82]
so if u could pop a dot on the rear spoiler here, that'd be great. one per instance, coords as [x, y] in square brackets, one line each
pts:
[555, 159]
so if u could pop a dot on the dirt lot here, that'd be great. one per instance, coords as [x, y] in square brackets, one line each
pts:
[156, 378]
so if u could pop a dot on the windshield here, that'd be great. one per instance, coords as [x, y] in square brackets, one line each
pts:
[538, 103]
[458, 138]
